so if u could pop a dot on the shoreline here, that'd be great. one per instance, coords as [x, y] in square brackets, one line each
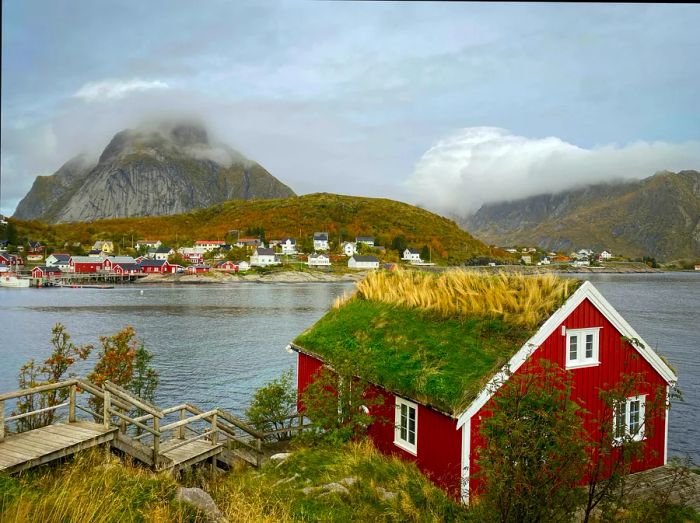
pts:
[214, 278]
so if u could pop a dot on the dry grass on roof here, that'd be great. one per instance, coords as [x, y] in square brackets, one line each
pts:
[515, 298]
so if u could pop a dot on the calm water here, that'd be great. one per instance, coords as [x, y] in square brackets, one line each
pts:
[214, 345]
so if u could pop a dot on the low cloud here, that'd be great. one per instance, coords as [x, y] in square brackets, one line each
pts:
[481, 165]
[116, 89]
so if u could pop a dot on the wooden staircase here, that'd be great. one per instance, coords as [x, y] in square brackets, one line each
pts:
[196, 436]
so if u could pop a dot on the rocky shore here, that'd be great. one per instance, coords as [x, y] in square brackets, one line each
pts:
[273, 277]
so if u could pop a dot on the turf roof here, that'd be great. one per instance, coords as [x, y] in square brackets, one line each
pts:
[443, 362]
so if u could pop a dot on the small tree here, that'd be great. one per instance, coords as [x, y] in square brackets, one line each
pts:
[399, 243]
[273, 405]
[534, 448]
[338, 404]
[56, 368]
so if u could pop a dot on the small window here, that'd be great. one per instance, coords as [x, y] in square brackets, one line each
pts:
[582, 347]
[629, 419]
[406, 425]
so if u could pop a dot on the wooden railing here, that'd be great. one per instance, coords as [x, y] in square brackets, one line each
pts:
[118, 406]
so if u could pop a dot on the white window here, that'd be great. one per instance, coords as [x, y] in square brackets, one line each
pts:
[406, 425]
[629, 419]
[582, 347]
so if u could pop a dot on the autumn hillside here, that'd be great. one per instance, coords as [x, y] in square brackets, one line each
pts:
[343, 217]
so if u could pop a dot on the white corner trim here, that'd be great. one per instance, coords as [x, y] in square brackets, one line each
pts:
[585, 291]
[666, 414]
[466, 457]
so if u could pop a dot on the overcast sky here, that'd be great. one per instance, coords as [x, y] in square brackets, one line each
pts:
[445, 105]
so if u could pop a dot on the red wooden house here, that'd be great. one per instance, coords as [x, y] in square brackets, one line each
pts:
[46, 272]
[154, 266]
[198, 269]
[86, 264]
[437, 376]
[227, 266]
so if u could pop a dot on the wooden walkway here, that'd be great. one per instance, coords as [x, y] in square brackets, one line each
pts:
[26, 450]
[214, 436]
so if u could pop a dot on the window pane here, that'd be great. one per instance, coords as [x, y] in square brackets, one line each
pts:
[634, 417]
[412, 426]
[589, 346]
[573, 340]
[404, 422]
[620, 422]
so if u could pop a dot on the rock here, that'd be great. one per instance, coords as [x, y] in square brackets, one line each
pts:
[281, 457]
[349, 481]
[286, 480]
[201, 500]
[385, 494]
[334, 488]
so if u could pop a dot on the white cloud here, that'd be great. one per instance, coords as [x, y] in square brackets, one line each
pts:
[479, 165]
[116, 89]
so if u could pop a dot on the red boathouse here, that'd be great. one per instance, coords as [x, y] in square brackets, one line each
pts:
[437, 374]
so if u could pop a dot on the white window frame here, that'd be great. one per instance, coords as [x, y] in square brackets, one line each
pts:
[581, 360]
[639, 434]
[398, 440]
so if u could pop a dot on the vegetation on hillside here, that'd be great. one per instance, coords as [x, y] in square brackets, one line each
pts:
[343, 217]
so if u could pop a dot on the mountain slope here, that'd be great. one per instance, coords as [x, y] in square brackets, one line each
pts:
[658, 216]
[298, 217]
[167, 169]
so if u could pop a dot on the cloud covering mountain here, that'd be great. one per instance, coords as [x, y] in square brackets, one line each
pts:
[479, 165]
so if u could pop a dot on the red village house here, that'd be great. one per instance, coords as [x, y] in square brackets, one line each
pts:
[46, 272]
[437, 375]
[154, 266]
[86, 264]
[227, 266]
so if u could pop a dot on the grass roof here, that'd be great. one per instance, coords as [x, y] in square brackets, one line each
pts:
[435, 339]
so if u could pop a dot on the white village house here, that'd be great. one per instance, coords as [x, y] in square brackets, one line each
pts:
[319, 260]
[61, 261]
[160, 253]
[363, 262]
[412, 256]
[288, 245]
[149, 244]
[264, 257]
[321, 241]
[349, 248]
[605, 255]
[367, 240]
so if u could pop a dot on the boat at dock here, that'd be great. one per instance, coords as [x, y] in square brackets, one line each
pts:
[14, 281]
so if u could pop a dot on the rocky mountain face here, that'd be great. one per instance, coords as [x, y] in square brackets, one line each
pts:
[163, 170]
[658, 216]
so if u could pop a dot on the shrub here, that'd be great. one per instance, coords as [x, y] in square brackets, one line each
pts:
[274, 404]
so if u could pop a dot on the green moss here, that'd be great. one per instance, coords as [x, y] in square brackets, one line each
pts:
[441, 362]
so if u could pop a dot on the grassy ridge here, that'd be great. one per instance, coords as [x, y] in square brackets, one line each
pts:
[88, 490]
[298, 217]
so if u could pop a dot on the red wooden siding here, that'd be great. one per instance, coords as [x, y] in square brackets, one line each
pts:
[87, 267]
[438, 440]
[617, 358]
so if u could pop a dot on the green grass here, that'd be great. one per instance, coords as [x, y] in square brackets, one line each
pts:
[441, 362]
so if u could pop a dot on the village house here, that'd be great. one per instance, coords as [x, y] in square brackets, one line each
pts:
[349, 248]
[367, 240]
[436, 420]
[160, 253]
[42, 271]
[4, 244]
[35, 248]
[526, 259]
[191, 254]
[148, 244]
[35, 257]
[111, 261]
[319, 260]
[154, 266]
[605, 255]
[123, 269]
[198, 269]
[544, 261]
[105, 247]
[363, 262]
[227, 266]
[288, 245]
[321, 241]
[243, 265]
[60, 260]
[208, 245]
[411, 255]
[11, 260]
[264, 257]
[96, 253]
[249, 243]
[86, 264]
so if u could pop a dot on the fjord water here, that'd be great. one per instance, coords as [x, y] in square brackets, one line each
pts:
[215, 344]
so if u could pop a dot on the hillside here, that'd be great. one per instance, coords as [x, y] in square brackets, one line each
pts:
[162, 170]
[300, 217]
[658, 216]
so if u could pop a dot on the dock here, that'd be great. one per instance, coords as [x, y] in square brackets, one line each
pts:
[128, 425]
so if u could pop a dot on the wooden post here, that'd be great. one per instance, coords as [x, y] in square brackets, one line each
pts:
[2, 420]
[181, 430]
[215, 428]
[258, 457]
[156, 441]
[106, 405]
[71, 404]
[122, 424]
